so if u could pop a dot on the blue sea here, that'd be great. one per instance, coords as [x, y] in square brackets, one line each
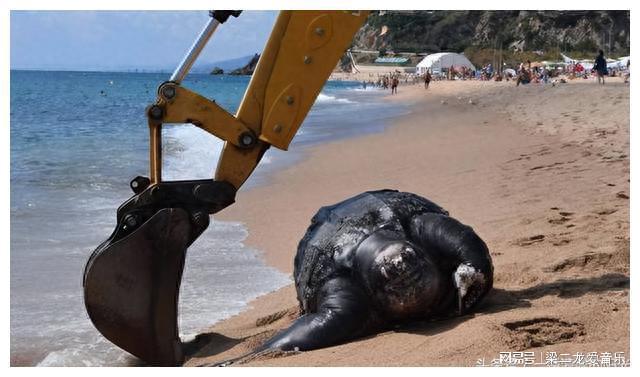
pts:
[77, 139]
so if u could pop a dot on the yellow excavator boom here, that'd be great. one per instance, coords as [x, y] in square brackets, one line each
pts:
[298, 58]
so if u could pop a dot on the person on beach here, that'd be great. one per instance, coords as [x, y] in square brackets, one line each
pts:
[580, 71]
[524, 77]
[600, 66]
[545, 75]
[627, 73]
[394, 85]
[427, 79]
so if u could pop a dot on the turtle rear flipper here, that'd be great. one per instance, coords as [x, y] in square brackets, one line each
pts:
[343, 313]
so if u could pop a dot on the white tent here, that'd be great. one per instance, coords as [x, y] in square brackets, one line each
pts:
[567, 59]
[623, 61]
[620, 63]
[438, 62]
[586, 64]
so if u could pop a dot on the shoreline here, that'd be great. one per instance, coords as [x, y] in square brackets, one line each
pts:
[299, 148]
[477, 158]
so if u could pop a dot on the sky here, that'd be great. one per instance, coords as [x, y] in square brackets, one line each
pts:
[125, 40]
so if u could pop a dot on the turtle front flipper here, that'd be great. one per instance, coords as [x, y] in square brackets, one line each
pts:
[463, 254]
[343, 313]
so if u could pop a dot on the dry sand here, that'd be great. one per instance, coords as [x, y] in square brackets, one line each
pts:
[540, 172]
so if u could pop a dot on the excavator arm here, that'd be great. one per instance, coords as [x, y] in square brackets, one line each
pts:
[132, 280]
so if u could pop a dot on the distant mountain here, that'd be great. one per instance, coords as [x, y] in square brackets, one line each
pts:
[435, 31]
[248, 68]
[226, 65]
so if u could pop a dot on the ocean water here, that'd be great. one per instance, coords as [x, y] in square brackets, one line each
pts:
[77, 139]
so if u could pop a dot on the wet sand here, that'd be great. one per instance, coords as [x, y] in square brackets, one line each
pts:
[540, 172]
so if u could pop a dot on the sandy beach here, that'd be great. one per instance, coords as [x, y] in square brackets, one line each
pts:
[542, 175]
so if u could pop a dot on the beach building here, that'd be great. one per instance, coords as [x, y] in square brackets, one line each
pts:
[381, 65]
[443, 60]
[392, 61]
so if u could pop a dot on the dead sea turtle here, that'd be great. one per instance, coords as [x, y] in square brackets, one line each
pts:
[377, 259]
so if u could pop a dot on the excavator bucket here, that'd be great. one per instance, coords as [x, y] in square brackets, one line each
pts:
[131, 287]
[132, 280]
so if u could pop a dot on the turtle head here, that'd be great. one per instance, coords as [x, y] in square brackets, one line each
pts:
[404, 281]
[470, 285]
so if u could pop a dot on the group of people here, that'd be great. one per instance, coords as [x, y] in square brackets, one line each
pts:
[391, 81]
[486, 73]
[576, 69]
[526, 73]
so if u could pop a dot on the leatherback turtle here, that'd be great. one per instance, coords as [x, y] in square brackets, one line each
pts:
[380, 258]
